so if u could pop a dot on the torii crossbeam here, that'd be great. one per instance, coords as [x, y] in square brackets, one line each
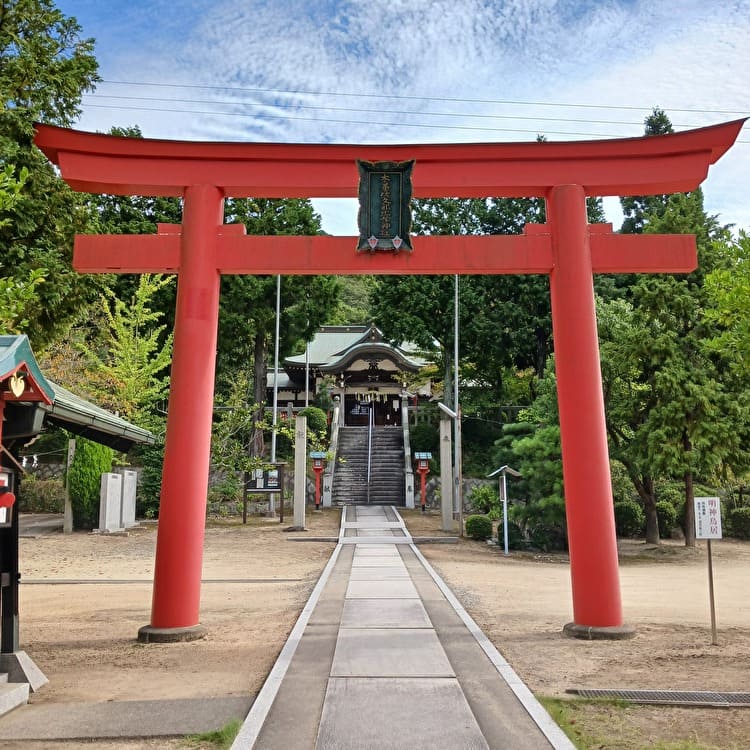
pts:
[567, 248]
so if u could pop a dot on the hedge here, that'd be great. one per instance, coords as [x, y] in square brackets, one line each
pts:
[739, 520]
[629, 518]
[91, 460]
[479, 527]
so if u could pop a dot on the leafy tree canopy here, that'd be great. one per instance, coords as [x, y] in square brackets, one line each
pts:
[45, 67]
[17, 295]
[728, 290]
[505, 321]
[676, 410]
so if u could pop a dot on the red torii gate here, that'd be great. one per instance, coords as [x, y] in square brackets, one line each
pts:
[567, 248]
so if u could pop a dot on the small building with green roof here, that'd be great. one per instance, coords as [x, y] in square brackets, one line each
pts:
[354, 364]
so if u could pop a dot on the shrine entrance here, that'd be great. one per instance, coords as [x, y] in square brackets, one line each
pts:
[567, 248]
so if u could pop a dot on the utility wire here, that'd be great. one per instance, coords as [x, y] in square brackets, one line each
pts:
[417, 98]
[345, 122]
[425, 126]
[328, 108]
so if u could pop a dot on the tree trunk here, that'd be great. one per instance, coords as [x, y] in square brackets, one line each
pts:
[257, 445]
[648, 496]
[448, 382]
[644, 486]
[689, 510]
[689, 497]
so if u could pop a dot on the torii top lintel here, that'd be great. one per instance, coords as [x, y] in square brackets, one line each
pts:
[99, 163]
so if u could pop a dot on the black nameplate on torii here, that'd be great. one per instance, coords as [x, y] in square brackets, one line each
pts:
[384, 205]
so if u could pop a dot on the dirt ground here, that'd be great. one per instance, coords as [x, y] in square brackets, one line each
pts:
[83, 636]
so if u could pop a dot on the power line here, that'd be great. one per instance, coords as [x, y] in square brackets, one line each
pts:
[360, 110]
[264, 116]
[339, 121]
[412, 97]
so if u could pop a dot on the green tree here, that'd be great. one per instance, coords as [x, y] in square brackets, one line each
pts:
[90, 461]
[45, 67]
[136, 214]
[697, 424]
[688, 415]
[354, 301]
[628, 401]
[10, 187]
[233, 428]
[17, 295]
[536, 452]
[248, 303]
[728, 291]
[136, 356]
[505, 321]
[421, 308]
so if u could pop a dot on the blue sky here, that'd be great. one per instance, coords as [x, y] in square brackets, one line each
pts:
[405, 71]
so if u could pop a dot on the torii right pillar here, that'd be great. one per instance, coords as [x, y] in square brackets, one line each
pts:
[588, 490]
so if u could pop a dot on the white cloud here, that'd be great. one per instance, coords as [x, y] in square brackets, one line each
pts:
[619, 53]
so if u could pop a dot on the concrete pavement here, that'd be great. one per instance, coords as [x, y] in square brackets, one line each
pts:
[384, 657]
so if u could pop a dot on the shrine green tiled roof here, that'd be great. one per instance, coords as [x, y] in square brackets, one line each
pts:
[15, 351]
[67, 410]
[332, 344]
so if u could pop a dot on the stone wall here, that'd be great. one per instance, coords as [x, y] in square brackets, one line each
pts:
[433, 491]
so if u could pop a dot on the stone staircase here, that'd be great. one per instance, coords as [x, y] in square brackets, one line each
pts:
[387, 474]
[387, 470]
[350, 476]
[12, 694]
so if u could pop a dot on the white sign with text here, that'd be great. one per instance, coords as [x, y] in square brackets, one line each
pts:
[707, 518]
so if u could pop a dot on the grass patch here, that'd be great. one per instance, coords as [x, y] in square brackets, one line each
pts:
[595, 724]
[685, 745]
[567, 714]
[221, 739]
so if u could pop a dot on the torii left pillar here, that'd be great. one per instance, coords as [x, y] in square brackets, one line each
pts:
[175, 608]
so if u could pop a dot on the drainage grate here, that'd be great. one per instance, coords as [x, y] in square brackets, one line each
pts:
[669, 697]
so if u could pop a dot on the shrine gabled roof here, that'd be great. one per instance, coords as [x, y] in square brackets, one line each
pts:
[64, 408]
[16, 356]
[367, 349]
[333, 347]
[329, 342]
[88, 420]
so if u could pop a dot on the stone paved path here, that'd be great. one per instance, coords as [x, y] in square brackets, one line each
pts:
[384, 657]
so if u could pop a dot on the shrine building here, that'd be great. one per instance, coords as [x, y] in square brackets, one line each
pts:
[358, 368]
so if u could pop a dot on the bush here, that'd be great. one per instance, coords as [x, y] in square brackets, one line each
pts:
[479, 527]
[425, 438]
[91, 460]
[484, 499]
[228, 490]
[739, 521]
[548, 538]
[674, 494]
[516, 539]
[544, 522]
[622, 486]
[629, 518]
[667, 515]
[317, 421]
[41, 495]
